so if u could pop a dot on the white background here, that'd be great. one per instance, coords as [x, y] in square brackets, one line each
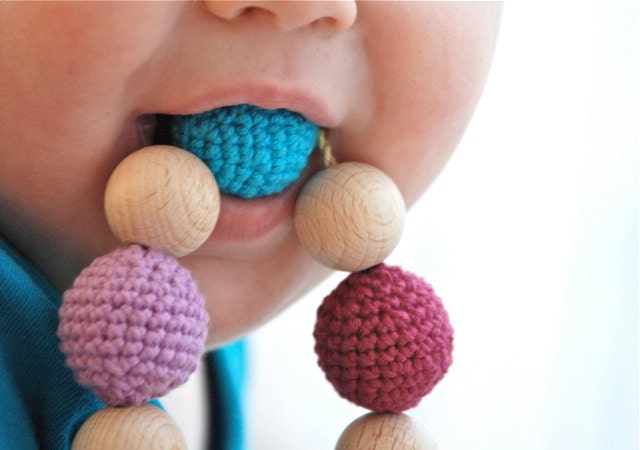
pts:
[530, 236]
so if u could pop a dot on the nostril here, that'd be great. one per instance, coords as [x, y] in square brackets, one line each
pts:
[254, 12]
[287, 15]
[232, 11]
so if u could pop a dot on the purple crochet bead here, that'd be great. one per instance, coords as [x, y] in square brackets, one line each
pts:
[133, 326]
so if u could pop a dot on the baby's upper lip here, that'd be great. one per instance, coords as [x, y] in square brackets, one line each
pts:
[267, 95]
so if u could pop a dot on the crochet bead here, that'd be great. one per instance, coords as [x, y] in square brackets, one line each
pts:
[162, 197]
[252, 152]
[133, 326]
[350, 216]
[383, 339]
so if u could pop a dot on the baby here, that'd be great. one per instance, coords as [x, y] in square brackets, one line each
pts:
[85, 84]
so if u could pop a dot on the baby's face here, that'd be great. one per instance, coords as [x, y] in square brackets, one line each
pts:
[395, 84]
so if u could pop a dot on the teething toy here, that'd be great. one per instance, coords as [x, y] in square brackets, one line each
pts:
[139, 427]
[133, 324]
[349, 216]
[252, 152]
[162, 197]
[386, 431]
[383, 339]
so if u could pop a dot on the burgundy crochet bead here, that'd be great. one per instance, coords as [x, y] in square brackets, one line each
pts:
[133, 326]
[383, 339]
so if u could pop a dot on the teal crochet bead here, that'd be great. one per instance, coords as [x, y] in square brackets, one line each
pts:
[253, 152]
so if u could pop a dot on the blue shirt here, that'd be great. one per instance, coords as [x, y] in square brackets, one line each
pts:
[41, 406]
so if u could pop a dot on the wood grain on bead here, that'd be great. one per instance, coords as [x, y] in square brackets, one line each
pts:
[141, 427]
[350, 216]
[162, 197]
[385, 432]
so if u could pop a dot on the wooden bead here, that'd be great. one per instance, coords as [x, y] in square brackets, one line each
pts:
[144, 427]
[350, 216]
[386, 431]
[162, 197]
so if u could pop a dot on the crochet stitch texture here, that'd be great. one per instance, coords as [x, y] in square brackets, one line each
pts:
[253, 152]
[133, 326]
[383, 339]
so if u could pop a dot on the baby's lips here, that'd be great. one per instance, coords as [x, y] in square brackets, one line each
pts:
[253, 152]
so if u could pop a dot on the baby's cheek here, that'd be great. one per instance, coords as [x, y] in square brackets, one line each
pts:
[86, 50]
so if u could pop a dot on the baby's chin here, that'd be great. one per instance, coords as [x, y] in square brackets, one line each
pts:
[244, 293]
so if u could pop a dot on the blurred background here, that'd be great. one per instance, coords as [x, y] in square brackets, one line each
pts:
[530, 237]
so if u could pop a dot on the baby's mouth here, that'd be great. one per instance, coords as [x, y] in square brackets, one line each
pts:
[252, 152]
[243, 217]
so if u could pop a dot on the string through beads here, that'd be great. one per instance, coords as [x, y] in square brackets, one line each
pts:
[325, 147]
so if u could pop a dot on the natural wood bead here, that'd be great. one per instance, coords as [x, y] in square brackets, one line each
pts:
[162, 197]
[350, 216]
[384, 432]
[144, 427]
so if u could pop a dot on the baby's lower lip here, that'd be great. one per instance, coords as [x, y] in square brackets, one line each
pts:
[242, 220]
[246, 220]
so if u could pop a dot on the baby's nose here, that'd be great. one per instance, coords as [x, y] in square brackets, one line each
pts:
[288, 15]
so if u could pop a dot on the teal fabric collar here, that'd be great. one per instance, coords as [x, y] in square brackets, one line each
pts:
[42, 406]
